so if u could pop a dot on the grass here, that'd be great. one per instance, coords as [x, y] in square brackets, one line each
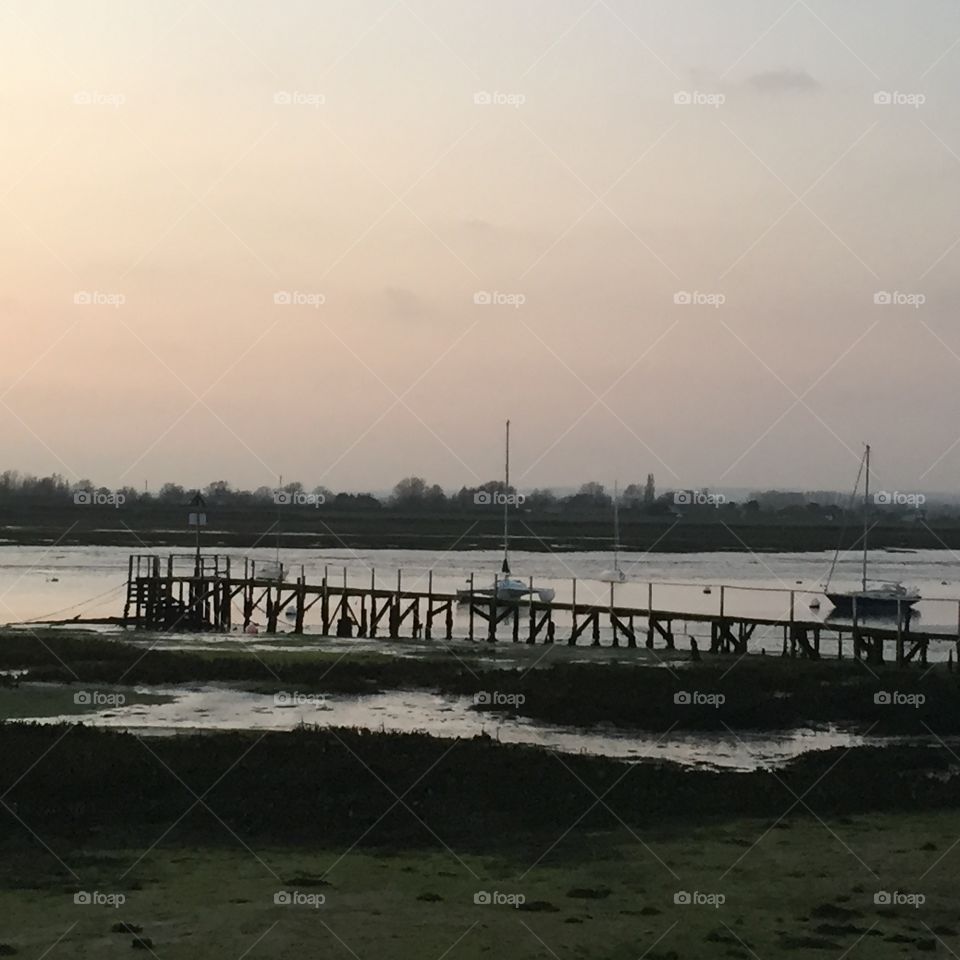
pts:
[802, 889]
[759, 693]
[56, 700]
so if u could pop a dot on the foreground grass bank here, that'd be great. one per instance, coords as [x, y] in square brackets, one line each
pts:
[331, 786]
[801, 889]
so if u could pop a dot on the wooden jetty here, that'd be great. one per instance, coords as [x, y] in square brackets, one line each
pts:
[198, 593]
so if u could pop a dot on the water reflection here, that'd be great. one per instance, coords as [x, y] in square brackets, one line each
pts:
[171, 710]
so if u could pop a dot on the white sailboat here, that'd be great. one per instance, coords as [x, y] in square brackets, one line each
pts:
[616, 575]
[506, 586]
[877, 597]
[273, 569]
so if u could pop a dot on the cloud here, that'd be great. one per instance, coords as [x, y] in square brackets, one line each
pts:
[783, 81]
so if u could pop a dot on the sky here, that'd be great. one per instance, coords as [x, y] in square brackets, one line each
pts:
[343, 242]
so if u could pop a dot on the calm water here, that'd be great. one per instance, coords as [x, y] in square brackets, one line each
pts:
[183, 709]
[37, 582]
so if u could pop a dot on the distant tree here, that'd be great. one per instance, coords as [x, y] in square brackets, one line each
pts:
[172, 493]
[650, 490]
[410, 491]
[540, 500]
[434, 496]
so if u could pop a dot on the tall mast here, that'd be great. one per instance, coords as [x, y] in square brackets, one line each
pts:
[616, 528]
[279, 506]
[505, 567]
[866, 515]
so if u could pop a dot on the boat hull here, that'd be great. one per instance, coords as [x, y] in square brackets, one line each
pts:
[868, 603]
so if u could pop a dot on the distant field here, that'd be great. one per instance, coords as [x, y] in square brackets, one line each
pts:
[797, 888]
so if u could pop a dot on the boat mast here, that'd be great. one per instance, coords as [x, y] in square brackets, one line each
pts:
[279, 515]
[616, 528]
[505, 567]
[866, 514]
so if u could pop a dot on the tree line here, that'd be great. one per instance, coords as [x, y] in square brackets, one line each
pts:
[416, 494]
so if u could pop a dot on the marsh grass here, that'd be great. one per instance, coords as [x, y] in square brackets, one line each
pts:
[804, 891]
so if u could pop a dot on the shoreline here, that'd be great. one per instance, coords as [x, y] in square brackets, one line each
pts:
[471, 533]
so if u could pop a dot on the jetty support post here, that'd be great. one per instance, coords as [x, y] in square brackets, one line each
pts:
[492, 622]
[325, 602]
[613, 618]
[395, 608]
[899, 633]
[301, 602]
[428, 626]
[856, 631]
[573, 613]
[532, 626]
[470, 618]
[650, 615]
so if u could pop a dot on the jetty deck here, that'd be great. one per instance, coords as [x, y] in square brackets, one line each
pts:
[210, 593]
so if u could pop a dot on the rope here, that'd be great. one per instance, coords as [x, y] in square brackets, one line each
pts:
[75, 606]
[843, 529]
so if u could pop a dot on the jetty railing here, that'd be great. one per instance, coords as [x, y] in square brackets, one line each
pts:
[190, 592]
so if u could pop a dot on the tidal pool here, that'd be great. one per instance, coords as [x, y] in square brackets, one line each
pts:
[183, 709]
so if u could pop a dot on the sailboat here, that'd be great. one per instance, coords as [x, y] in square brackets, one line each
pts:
[877, 597]
[506, 586]
[616, 575]
[273, 569]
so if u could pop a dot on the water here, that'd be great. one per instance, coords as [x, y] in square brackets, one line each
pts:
[168, 710]
[38, 582]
